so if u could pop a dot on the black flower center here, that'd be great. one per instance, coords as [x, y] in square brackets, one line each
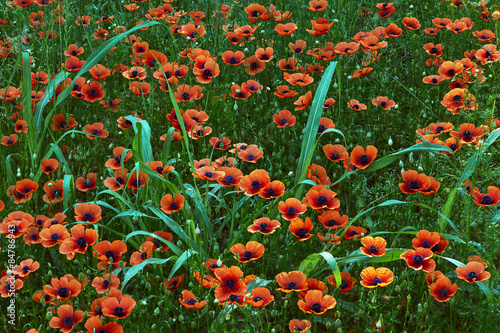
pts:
[264, 227]
[316, 307]
[256, 185]
[185, 96]
[471, 276]
[54, 237]
[466, 135]
[173, 206]
[457, 99]
[443, 292]
[247, 255]
[230, 283]
[118, 311]
[302, 232]
[434, 80]
[413, 185]
[376, 281]
[434, 50]
[209, 174]
[68, 321]
[353, 233]
[110, 254]
[418, 259]
[291, 210]
[283, 121]
[228, 179]
[383, 104]
[321, 128]
[486, 200]
[373, 249]
[26, 269]
[271, 192]
[426, 244]
[192, 301]
[343, 284]
[105, 283]
[322, 200]
[291, 285]
[81, 242]
[87, 217]
[62, 292]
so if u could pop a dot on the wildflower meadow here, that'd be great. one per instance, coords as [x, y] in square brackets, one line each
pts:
[231, 166]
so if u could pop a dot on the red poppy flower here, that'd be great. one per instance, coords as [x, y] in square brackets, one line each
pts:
[105, 283]
[320, 26]
[94, 324]
[171, 205]
[472, 272]
[67, 318]
[303, 101]
[414, 182]
[449, 69]
[419, 259]
[230, 283]
[284, 118]
[96, 129]
[254, 182]
[317, 174]
[492, 198]
[264, 225]
[9, 140]
[186, 93]
[331, 219]
[318, 197]
[379, 277]
[260, 297]
[317, 5]
[354, 104]
[283, 91]
[291, 281]
[316, 303]
[335, 153]
[233, 58]
[86, 212]
[249, 252]
[274, 189]
[296, 325]
[442, 290]
[53, 235]
[384, 102]
[468, 133]
[291, 208]
[53, 191]
[145, 252]
[189, 301]
[63, 288]
[373, 247]
[301, 228]
[118, 308]
[251, 154]
[346, 282]
[426, 239]
[361, 159]
[253, 65]
[411, 23]
[79, 241]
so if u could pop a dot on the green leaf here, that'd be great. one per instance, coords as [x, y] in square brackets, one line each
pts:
[48, 94]
[257, 282]
[180, 261]
[470, 167]
[308, 143]
[67, 185]
[177, 251]
[169, 222]
[491, 139]
[386, 160]
[447, 209]
[8, 171]
[142, 139]
[61, 158]
[132, 271]
[308, 264]
[333, 265]
[391, 254]
[27, 108]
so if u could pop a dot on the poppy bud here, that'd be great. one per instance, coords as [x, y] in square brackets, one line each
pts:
[338, 323]
[390, 142]
[420, 169]
[197, 231]
[235, 107]
[148, 285]
[156, 312]
[181, 318]
[153, 327]
[228, 316]
[410, 158]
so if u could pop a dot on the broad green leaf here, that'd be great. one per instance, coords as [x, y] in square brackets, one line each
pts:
[313, 120]
[308, 264]
[177, 251]
[132, 271]
[180, 261]
[61, 158]
[333, 265]
[257, 282]
[447, 209]
[391, 254]
[169, 222]
[26, 95]
[491, 139]
[67, 185]
[8, 171]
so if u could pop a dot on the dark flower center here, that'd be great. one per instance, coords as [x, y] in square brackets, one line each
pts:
[316, 307]
[413, 185]
[302, 232]
[383, 104]
[192, 301]
[173, 206]
[426, 244]
[234, 298]
[322, 200]
[230, 283]
[68, 321]
[109, 254]
[466, 135]
[353, 233]
[209, 174]
[343, 284]
[207, 72]
[253, 65]
[93, 92]
[321, 128]
[48, 168]
[486, 200]
[105, 283]
[81, 242]
[250, 157]
[264, 227]
[453, 147]
[434, 50]
[364, 160]
[418, 259]
[443, 292]
[373, 249]
[283, 121]
[291, 285]
[434, 80]
[26, 269]
[256, 185]
[228, 179]
[233, 60]
[457, 99]
[185, 96]
[331, 223]
[471, 276]
[435, 248]
[62, 292]
[118, 311]
[451, 72]
[247, 255]
[34, 237]
[291, 210]
[144, 256]
[54, 237]
[95, 131]
[376, 281]
[159, 169]
[63, 124]
[87, 217]
[257, 299]
[271, 192]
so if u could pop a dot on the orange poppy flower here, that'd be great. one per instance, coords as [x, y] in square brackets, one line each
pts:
[488, 54]
[318, 197]
[253, 65]
[283, 91]
[86, 183]
[284, 118]
[16, 228]
[286, 29]
[449, 69]
[157, 166]
[25, 267]
[186, 93]
[264, 225]
[232, 176]
[317, 174]
[296, 325]
[251, 154]
[115, 163]
[264, 55]
[63, 288]
[411, 23]
[174, 283]
[385, 9]
[208, 173]
[26, 187]
[230, 283]
[393, 31]
[158, 243]
[301, 228]
[135, 72]
[315, 303]
[171, 205]
[328, 103]
[442, 290]
[472, 272]
[189, 301]
[384, 102]
[79, 241]
[433, 187]
[468, 133]
[9, 140]
[346, 283]
[335, 153]
[21, 126]
[291, 208]
[346, 48]
[105, 283]
[433, 79]
[274, 189]
[431, 31]
[8, 286]
[145, 252]
[419, 259]
[53, 235]
[260, 297]
[86, 212]
[137, 180]
[492, 198]
[331, 219]
[414, 182]
[94, 324]
[254, 182]
[435, 50]
[373, 247]
[66, 318]
[361, 72]
[291, 281]
[233, 58]
[354, 232]
[426, 239]
[317, 5]
[249, 252]
[379, 277]
[110, 252]
[303, 101]
[361, 159]
[245, 31]
[297, 47]
[320, 26]
[255, 11]
[118, 308]
[298, 79]
[354, 104]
